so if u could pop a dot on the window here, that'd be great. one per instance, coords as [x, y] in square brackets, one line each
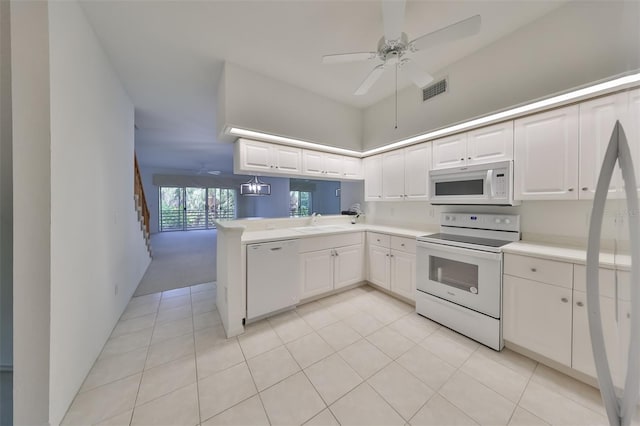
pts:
[300, 203]
[195, 208]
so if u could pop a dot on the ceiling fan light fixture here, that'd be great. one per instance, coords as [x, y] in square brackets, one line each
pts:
[255, 187]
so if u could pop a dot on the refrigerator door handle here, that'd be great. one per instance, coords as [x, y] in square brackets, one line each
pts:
[619, 412]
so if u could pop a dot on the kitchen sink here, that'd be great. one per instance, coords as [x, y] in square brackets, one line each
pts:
[318, 228]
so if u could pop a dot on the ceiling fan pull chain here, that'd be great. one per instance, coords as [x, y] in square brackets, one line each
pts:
[396, 96]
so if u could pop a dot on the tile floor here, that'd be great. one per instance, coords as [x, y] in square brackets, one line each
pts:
[359, 357]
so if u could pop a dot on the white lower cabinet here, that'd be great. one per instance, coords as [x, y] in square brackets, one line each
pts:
[537, 316]
[328, 263]
[392, 263]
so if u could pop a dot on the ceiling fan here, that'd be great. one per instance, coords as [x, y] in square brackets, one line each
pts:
[207, 170]
[395, 49]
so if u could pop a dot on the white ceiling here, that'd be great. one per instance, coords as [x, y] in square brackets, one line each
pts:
[169, 56]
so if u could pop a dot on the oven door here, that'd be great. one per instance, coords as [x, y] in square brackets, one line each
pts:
[467, 277]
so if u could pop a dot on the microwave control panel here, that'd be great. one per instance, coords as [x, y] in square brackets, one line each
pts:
[500, 184]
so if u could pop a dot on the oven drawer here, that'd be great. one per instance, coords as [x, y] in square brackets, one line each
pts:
[382, 240]
[403, 244]
[546, 271]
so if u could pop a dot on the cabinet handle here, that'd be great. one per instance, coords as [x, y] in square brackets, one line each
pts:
[570, 189]
[469, 158]
[378, 239]
[271, 166]
[462, 159]
[580, 304]
[564, 300]
[533, 269]
[402, 245]
[387, 254]
[584, 188]
[628, 315]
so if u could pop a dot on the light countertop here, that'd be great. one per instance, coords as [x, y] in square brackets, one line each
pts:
[566, 254]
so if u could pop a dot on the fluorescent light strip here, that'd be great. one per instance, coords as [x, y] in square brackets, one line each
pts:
[499, 116]
[296, 142]
[514, 112]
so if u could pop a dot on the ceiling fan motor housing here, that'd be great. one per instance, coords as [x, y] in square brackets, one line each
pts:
[392, 50]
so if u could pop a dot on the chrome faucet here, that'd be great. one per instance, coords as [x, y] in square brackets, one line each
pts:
[314, 218]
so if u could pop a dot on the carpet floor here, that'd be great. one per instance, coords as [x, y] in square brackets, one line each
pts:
[180, 259]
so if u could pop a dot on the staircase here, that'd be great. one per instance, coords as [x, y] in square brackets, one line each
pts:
[141, 205]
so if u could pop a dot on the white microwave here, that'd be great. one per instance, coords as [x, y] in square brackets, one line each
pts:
[490, 183]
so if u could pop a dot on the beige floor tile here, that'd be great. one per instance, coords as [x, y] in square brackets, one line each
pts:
[447, 349]
[496, 376]
[133, 325]
[518, 363]
[339, 335]
[166, 378]
[140, 310]
[332, 377]
[224, 390]
[127, 343]
[343, 309]
[440, 412]
[198, 288]
[169, 350]
[180, 407]
[402, 390]
[557, 409]
[271, 367]
[110, 369]
[122, 419]
[173, 314]
[174, 302]
[414, 327]
[209, 337]
[477, 401]
[219, 357]
[292, 401]
[206, 320]
[318, 317]
[248, 413]
[290, 326]
[386, 314]
[460, 339]
[390, 342]
[365, 358]
[309, 349]
[571, 388]
[427, 367]
[141, 300]
[363, 406]
[325, 418]
[171, 329]
[363, 323]
[258, 340]
[103, 402]
[204, 296]
[182, 291]
[202, 306]
[522, 417]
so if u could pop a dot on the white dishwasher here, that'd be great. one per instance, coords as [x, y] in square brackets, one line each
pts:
[273, 281]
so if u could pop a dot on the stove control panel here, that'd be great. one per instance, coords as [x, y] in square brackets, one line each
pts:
[498, 222]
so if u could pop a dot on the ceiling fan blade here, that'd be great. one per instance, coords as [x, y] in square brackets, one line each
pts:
[393, 18]
[373, 76]
[465, 28]
[419, 77]
[348, 57]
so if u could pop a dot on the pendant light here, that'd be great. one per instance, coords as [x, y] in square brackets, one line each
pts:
[255, 187]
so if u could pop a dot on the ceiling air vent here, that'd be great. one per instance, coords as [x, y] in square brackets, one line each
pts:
[434, 89]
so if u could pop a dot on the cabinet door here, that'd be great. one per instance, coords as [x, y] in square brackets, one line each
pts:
[597, 118]
[348, 266]
[417, 161]
[393, 175]
[582, 358]
[287, 159]
[373, 178]
[631, 123]
[255, 155]
[312, 163]
[316, 270]
[333, 165]
[537, 317]
[378, 265]
[450, 151]
[546, 155]
[403, 274]
[493, 143]
[351, 168]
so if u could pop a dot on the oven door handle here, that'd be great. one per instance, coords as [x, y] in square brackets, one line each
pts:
[458, 250]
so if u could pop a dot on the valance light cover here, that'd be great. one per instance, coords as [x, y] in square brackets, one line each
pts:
[255, 187]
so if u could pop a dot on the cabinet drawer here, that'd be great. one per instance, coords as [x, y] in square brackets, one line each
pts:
[607, 281]
[546, 271]
[377, 239]
[329, 241]
[403, 244]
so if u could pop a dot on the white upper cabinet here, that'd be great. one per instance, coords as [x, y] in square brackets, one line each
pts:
[262, 157]
[597, 118]
[321, 164]
[393, 175]
[485, 145]
[352, 168]
[546, 155]
[417, 159]
[373, 178]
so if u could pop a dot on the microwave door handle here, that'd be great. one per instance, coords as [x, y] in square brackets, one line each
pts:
[490, 183]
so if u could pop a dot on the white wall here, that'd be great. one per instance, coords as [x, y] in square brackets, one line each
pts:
[576, 44]
[31, 211]
[98, 254]
[6, 193]
[254, 101]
